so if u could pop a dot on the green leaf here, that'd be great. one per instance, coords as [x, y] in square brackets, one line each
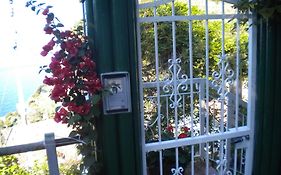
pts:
[57, 33]
[50, 17]
[27, 4]
[96, 110]
[33, 8]
[81, 53]
[80, 99]
[48, 70]
[57, 19]
[73, 133]
[41, 4]
[38, 11]
[96, 99]
[57, 108]
[74, 119]
[79, 28]
[60, 25]
[88, 117]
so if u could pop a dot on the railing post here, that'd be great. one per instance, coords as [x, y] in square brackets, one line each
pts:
[50, 146]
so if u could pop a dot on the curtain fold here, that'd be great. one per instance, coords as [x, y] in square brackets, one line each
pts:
[267, 153]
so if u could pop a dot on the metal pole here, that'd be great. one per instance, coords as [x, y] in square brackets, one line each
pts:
[50, 146]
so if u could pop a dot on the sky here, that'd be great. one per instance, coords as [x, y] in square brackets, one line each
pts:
[19, 67]
[30, 36]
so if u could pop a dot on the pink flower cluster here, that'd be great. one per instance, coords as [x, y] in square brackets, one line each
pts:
[184, 131]
[72, 70]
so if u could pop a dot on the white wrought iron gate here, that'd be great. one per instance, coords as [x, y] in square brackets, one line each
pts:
[196, 66]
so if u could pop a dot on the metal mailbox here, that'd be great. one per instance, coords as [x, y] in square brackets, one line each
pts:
[117, 95]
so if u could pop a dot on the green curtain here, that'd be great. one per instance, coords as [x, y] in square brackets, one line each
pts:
[111, 27]
[267, 153]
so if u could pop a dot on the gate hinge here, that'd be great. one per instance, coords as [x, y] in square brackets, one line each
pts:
[241, 142]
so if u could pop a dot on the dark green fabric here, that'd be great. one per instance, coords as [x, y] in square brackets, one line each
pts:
[267, 153]
[115, 50]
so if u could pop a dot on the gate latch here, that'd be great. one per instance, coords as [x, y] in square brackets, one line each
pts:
[240, 142]
[117, 96]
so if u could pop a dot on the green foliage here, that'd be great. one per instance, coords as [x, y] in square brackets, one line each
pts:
[72, 64]
[11, 119]
[165, 49]
[79, 28]
[40, 106]
[70, 167]
[40, 168]
[9, 165]
[267, 9]
[2, 124]
[165, 46]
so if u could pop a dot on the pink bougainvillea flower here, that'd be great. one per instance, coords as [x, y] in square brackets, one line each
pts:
[72, 73]
[46, 11]
[84, 109]
[169, 128]
[44, 53]
[51, 43]
[48, 30]
[182, 135]
[57, 118]
[58, 92]
[185, 129]
[61, 115]
[48, 81]
[47, 48]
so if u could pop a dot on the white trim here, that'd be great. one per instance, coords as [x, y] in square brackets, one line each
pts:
[251, 94]
[158, 3]
[232, 133]
[180, 81]
[192, 17]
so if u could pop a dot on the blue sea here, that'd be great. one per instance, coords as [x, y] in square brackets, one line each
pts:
[14, 80]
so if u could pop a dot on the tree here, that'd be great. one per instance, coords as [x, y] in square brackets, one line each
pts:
[165, 47]
[40, 106]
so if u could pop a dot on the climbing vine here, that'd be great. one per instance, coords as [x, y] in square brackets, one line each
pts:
[267, 9]
[76, 86]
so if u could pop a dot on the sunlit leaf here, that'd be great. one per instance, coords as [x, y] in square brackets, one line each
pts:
[38, 11]
[41, 4]
[57, 108]
[48, 70]
[60, 25]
